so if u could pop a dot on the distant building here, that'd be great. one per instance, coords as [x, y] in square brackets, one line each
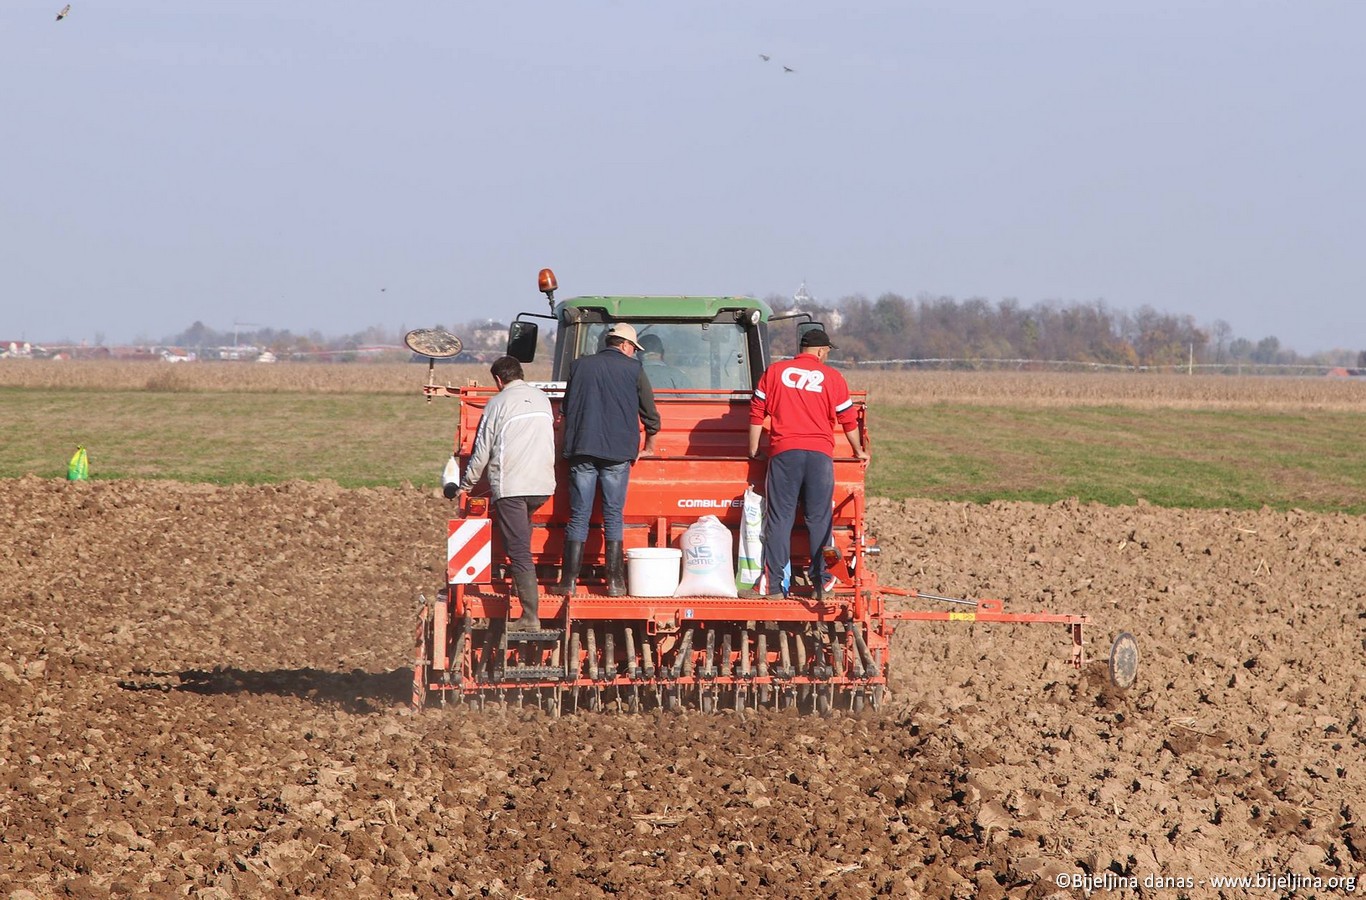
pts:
[803, 301]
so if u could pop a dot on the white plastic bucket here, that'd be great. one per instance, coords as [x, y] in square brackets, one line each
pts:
[653, 571]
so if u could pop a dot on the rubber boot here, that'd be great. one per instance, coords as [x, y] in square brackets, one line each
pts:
[569, 569]
[526, 592]
[616, 570]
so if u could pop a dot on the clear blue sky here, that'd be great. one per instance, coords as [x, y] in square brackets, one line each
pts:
[330, 166]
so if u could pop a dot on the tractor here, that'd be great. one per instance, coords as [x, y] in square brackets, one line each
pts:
[818, 651]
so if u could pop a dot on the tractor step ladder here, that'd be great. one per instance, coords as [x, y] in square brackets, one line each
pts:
[529, 643]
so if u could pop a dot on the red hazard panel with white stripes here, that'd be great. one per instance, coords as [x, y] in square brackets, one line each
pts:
[469, 551]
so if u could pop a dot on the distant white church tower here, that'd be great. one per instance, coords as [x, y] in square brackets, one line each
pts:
[803, 301]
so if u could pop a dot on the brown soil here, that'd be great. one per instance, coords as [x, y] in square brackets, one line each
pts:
[202, 693]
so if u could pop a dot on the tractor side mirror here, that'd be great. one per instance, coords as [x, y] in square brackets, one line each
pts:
[522, 341]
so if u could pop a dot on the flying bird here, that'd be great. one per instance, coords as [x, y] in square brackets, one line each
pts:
[788, 69]
[62, 15]
[764, 57]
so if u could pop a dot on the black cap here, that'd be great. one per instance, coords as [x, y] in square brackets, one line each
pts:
[815, 338]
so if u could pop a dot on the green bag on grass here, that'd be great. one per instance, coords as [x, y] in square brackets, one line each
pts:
[79, 467]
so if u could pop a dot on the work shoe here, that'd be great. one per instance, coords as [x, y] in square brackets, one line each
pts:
[756, 594]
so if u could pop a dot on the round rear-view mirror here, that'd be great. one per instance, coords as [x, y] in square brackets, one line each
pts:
[434, 342]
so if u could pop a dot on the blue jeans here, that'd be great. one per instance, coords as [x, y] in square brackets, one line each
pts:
[586, 475]
[794, 475]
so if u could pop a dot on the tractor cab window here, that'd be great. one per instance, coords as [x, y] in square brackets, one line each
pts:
[682, 355]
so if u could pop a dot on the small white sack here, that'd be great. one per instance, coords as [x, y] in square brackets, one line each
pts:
[707, 560]
[450, 478]
[751, 552]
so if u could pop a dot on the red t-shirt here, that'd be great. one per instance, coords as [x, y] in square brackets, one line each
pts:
[803, 398]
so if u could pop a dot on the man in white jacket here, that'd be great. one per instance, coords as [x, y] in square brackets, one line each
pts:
[516, 443]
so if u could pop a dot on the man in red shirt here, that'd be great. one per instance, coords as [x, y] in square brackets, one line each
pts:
[803, 399]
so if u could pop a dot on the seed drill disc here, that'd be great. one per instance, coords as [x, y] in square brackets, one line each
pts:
[433, 342]
[1123, 660]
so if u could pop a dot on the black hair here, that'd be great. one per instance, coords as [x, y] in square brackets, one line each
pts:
[505, 369]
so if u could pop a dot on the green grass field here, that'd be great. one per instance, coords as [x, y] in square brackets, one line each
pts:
[1010, 447]
[1119, 455]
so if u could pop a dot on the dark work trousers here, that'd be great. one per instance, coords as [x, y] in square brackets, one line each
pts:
[794, 475]
[512, 518]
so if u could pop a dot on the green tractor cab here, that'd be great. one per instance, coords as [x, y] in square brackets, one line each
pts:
[705, 343]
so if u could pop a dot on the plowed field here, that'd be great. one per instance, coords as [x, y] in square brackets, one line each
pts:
[203, 693]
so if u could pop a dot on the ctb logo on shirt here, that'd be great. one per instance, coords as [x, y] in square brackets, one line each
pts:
[804, 379]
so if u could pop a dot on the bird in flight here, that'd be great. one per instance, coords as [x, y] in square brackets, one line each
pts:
[764, 57]
[788, 69]
[62, 15]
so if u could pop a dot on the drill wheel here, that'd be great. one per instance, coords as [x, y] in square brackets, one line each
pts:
[1123, 660]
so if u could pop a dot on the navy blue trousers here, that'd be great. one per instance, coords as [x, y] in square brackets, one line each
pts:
[794, 475]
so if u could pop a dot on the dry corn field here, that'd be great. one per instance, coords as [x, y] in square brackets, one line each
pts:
[1112, 389]
[889, 388]
[328, 378]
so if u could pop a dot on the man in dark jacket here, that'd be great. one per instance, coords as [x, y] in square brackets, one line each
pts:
[607, 397]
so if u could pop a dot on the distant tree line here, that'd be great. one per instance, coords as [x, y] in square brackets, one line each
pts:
[483, 339]
[283, 343]
[893, 328]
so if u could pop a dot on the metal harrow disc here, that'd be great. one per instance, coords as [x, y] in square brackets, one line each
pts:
[1123, 660]
[433, 342]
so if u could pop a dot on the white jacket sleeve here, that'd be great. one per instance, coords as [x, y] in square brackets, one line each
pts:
[479, 456]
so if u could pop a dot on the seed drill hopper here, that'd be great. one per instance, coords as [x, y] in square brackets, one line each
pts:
[593, 651]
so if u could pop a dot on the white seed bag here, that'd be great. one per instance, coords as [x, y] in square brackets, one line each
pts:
[708, 561]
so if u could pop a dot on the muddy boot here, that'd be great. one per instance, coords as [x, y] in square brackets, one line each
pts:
[616, 570]
[569, 569]
[526, 592]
